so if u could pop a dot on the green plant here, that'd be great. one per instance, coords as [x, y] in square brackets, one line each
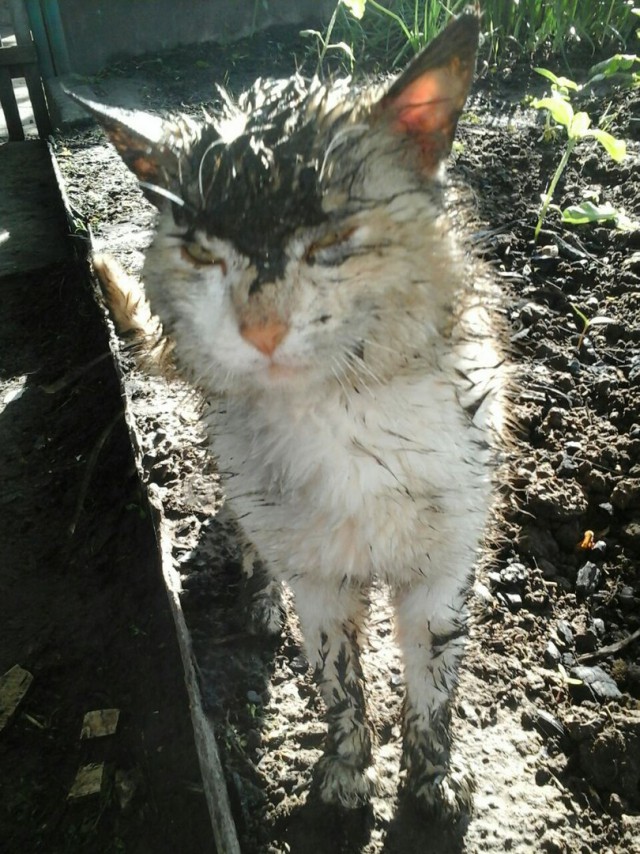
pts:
[325, 44]
[577, 126]
[520, 26]
[588, 322]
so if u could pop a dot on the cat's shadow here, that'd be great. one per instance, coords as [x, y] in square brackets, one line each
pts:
[314, 828]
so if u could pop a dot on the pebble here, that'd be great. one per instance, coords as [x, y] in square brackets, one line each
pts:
[299, 664]
[587, 641]
[514, 574]
[564, 633]
[632, 533]
[626, 494]
[595, 684]
[588, 579]
[551, 654]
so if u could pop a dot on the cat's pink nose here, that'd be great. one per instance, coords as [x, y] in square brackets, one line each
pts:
[264, 336]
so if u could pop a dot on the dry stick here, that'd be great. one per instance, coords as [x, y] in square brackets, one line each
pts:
[91, 464]
[614, 647]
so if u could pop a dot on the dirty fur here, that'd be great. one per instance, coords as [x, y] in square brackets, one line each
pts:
[313, 286]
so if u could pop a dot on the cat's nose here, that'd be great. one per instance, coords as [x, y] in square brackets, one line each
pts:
[264, 336]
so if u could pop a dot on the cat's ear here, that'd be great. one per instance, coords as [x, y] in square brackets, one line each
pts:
[144, 143]
[425, 102]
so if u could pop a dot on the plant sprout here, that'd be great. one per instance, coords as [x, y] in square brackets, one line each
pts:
[577, 126]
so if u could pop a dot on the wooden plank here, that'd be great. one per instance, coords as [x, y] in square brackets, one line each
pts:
[38, 101]
[21, 25]
[18, 55]
[10, 107]
[22, 61]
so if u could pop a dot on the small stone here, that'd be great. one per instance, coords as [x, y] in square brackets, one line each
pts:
[542, 777]
[254, 698]
[572, 448]
[626, 494]
[299, 664]
[631, 533]
[595, 684]
[598, 626]
[586, 641]
[551, 655]
[588, 579]
[564, 633]
[512, 600]
[514, 574]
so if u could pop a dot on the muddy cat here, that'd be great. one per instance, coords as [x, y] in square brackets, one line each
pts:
[310, 281]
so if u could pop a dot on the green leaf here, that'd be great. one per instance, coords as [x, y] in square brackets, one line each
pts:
[564, 82]
[356, 7]
[615, 64]
[615, 148]
[561, 110]
[579, 125]
[344, 47]
[588, 212]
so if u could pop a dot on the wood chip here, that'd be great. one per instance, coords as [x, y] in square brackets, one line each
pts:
[99, 723]
[88, 781]
[14, 684]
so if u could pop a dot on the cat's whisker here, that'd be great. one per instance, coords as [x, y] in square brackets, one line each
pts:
[214, 144]
[166, 194]
[339, 374]
[360, 363]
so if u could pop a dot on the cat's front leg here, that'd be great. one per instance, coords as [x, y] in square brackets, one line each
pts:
[331, 618]
[431, 633]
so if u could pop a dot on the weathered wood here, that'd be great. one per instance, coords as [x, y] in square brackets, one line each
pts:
[17, 55]
[10, 106]
[38, 101]
[22, 61]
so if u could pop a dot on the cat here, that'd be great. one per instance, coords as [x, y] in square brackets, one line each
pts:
[311, 284]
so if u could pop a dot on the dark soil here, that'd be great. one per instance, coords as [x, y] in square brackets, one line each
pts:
[82, 607]
[548, 712]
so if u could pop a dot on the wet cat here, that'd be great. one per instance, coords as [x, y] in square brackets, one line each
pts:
[309, 279]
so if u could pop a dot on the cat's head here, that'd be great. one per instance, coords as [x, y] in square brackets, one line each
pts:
[301, 234]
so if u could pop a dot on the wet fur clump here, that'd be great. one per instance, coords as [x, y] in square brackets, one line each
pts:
[312, 285]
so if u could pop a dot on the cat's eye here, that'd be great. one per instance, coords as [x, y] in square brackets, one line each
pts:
[200, 256]
[331, 247]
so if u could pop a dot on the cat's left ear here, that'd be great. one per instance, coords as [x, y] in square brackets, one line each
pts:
[425, 102]
[142, 140]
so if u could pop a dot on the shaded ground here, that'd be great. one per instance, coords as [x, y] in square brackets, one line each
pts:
[548, 713]
[82, 607]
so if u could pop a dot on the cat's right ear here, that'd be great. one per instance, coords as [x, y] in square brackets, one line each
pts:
[144, 143]
[426, 100]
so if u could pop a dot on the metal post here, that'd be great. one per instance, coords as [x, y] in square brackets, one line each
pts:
[57, 38]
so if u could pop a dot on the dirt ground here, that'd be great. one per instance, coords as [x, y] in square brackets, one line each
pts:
[548, 711]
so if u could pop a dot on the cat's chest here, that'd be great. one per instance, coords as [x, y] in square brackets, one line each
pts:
[360, 485]
[341, 449]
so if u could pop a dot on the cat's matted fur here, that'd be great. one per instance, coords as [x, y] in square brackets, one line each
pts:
[308, 277]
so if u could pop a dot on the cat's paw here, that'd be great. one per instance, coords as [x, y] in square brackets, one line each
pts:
[448, 797]
[337, 781]
[266, 611]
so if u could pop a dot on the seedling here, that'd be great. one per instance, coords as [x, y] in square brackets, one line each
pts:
[587, 323]
[578, 127]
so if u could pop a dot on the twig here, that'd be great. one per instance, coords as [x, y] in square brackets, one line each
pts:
[608, 650]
